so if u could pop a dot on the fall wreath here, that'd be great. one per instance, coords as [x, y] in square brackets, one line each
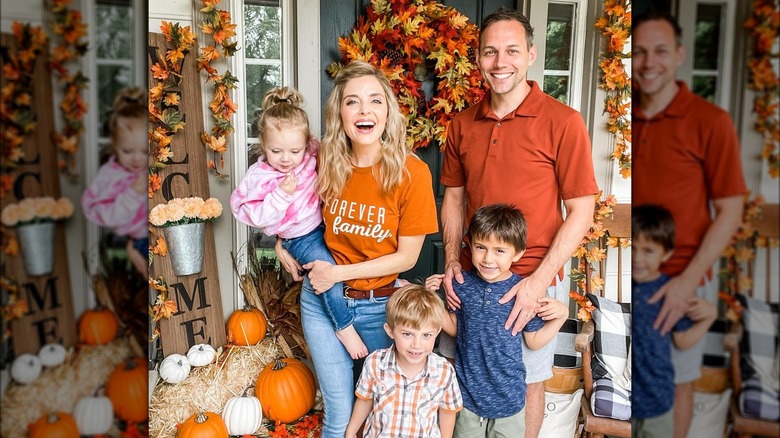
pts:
[412, 42]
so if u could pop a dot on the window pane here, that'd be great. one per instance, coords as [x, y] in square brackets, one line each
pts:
[263, 34]
[707, 45]
[705, 86]
[557, 52]
[114, 39]
[259, 79]
[557, 87]
[111, 79]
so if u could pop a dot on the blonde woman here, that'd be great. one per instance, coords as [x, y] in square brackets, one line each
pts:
[378, 206]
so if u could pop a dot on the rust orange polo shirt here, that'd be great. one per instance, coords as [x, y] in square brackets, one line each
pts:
[685, 156]
[533, 158]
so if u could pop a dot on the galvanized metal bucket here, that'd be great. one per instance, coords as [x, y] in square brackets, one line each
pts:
[185, 247]
[36, 242]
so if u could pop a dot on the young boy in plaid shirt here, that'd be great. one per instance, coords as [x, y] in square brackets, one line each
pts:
[653, 230]
[407, 390]
[488, 359]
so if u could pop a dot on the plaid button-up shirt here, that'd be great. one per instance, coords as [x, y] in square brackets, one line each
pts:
[407, 407]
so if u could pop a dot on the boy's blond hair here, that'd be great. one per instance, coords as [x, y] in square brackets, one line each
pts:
[414, 306]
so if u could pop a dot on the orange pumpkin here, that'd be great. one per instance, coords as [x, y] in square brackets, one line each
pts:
[97, 326]
[286, 390]
[202, 425]
[246, 326]
[128, 387]
[54, 425]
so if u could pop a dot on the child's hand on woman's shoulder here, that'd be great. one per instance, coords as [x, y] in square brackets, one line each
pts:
[552, 309]
[433, 283]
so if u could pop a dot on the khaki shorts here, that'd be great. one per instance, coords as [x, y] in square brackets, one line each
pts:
[687, 363]
[661, 426]
[471, 425]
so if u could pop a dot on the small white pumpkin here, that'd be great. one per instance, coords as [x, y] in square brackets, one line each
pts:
[201, 354]
[52, 355]
[26, 368]
[94, 415]
[175, 368]
[243, 415]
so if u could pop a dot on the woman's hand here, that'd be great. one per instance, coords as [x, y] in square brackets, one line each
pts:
[288, 261]
[322, 275]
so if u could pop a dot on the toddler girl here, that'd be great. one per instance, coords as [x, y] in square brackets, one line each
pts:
[279, 196]
[117, 197]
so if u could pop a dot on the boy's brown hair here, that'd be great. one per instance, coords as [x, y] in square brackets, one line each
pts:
[655, 223]
[502, 222]
[414, 306]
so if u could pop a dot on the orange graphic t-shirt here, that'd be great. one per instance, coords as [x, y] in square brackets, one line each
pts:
[363, 223]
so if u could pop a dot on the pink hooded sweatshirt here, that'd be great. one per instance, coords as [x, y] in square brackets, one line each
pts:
[110, 202]
[259, 202]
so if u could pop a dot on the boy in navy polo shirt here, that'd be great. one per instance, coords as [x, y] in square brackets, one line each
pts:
[489, 360]
[653, 230]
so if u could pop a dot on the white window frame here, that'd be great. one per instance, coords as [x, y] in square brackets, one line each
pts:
[92, 129]
[725, 72]
[538, 17]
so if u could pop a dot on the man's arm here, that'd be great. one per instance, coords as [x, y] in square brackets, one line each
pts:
[452, 216]
[579, 218]
[728, 217]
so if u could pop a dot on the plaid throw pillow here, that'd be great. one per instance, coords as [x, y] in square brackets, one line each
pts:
[612, 338]
[760, 340]
[715, 356]
[565, 354]
[610, 400]
[757, 400]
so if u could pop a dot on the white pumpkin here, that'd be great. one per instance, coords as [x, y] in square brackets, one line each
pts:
[175, 368]
[26, 368]
[201, 354]
[52, 355]
[242, 415]
[94, 415]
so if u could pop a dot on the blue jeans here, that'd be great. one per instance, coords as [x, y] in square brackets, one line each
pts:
[311, 247]
[332, 363]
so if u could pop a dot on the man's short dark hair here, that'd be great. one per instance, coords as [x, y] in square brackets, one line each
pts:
[503, 14]
[655, 223]
[655, 15]
[502, 222]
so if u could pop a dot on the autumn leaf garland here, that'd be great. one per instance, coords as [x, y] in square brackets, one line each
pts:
[68, 31]
[412, 41]
[217, 24]
[615, 26]
[763, 26]
[164, 99]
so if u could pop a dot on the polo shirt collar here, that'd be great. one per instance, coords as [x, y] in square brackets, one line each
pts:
[531, 106]
[389, 363]
[680, 106]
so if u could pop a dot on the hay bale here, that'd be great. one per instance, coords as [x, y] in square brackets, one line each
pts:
[208, 388]
[59, 388]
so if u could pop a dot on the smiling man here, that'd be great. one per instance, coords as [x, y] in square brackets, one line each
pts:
[519, 146]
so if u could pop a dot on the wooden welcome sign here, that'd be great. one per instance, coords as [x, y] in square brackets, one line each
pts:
[199, 317]
[50, 306]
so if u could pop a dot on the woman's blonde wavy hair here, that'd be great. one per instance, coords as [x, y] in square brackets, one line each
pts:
[282, 108]
[335, 166]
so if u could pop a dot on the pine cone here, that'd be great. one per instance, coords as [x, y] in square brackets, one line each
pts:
[471, 55]
[422, 102]
[394, 56]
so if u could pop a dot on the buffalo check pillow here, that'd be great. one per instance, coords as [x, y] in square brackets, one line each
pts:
[760, 359]
[565, 354]
[610, 400]
[612, 337]
[715, 355]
